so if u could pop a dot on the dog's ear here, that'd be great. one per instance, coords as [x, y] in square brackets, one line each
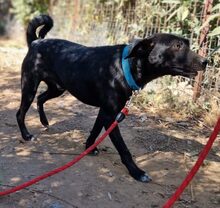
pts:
[139, 46]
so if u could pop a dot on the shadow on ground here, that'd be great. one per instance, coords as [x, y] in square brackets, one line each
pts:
[166, 152]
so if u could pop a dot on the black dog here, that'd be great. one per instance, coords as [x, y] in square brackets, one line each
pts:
[99, 76]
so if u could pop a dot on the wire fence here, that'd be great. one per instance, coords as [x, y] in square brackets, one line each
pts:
[112, 24]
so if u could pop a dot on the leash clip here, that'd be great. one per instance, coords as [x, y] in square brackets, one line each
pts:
[124, 112]
[134, 93]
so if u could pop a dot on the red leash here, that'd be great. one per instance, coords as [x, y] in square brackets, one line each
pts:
[195, 168]
[119, 118]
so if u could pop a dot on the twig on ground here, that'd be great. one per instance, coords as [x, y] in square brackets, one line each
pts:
[191, 184]
[67, 153]
[53, 153]
[203, 124]
[45, 193]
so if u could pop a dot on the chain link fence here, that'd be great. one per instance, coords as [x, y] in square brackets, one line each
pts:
[112, 23]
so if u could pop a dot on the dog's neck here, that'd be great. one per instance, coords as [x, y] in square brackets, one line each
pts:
[142, 71]
[126, 67]
[137, 70]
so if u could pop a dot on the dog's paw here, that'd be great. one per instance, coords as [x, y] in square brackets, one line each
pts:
[43, 118]
[44, 122]
[28, 137]
[141, 176]
[33, 138]
[94, 152]
[144, 178]
[46, 127]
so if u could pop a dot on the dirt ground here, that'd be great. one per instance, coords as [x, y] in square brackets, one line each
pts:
[166, 148]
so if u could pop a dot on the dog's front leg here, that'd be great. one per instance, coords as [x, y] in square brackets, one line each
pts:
[97, 128]
[122, 149]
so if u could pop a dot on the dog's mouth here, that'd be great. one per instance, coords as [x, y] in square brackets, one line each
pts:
[185, 72]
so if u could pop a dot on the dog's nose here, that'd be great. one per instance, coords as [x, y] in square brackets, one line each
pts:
[204, 62]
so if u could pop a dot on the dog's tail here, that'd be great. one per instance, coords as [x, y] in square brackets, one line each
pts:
[42, 20]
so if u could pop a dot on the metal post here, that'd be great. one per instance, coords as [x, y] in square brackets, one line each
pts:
[75, 14]
[203, 47]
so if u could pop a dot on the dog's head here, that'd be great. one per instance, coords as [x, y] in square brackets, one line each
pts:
[168, 55]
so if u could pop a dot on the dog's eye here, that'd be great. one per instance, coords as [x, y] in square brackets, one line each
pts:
[152, 44]
[178, 46]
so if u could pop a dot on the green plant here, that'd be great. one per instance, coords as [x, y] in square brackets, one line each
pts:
[4, 14]
[25, 10]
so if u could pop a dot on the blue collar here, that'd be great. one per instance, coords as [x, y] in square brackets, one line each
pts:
[127, 70]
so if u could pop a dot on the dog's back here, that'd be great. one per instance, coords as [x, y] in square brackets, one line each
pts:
[70, 65]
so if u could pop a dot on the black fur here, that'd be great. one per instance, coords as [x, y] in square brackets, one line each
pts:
[42, 20]
[94, 76]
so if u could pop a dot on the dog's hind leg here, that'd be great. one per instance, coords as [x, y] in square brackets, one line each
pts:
[52, 92]
[29, 89]
[95, 132]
